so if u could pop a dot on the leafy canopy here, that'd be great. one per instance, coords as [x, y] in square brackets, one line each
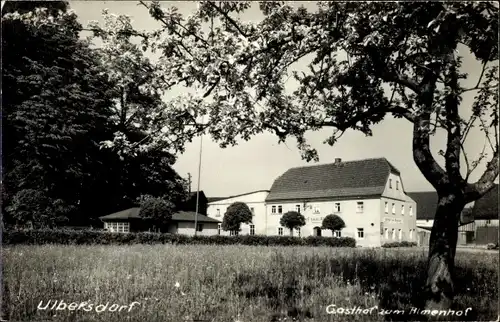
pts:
[236, 214]
[63, 102]
[292, 220]
[333, 222]
[158, 210]
[366, 60]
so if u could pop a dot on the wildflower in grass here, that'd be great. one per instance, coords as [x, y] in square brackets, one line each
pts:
[177, 286]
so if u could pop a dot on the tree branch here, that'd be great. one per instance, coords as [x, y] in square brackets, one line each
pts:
[231, 20]
[452, 155]
[468, 171]
[485, 183]
[422, 155]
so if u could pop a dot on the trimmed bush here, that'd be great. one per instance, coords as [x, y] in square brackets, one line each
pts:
[400, 244]
[94, 237]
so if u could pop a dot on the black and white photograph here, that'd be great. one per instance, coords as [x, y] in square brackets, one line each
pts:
[249, 161]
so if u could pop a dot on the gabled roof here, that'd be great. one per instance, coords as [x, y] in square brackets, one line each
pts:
[235, 196]
[426, 203]
[344, 179]
[192, 195]
[133, 213]
[487, 206]
[189, 216]
[213, 199]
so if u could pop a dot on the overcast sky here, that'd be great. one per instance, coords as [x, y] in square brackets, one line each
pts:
[255, 164]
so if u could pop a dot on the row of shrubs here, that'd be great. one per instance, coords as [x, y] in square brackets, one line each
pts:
[399, 244]
[90, 237]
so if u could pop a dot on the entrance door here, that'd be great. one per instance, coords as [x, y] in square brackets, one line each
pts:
[317, 231]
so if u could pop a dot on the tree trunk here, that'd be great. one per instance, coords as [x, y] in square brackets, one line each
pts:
[442, 248]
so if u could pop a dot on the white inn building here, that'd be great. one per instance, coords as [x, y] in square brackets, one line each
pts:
[367, 194]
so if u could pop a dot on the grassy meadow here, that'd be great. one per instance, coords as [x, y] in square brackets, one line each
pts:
[234, 283]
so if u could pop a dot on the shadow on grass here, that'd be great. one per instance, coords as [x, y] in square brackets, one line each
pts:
[398, 283]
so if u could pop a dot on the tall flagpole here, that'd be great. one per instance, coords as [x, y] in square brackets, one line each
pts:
[198, 189]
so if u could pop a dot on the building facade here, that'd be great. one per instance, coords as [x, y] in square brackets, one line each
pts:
[255, 200]
[367, 194]
[477, 221]
[182, 222]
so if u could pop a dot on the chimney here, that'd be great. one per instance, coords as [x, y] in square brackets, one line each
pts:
[338, 160]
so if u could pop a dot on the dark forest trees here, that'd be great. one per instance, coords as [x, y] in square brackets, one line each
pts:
[58, 110]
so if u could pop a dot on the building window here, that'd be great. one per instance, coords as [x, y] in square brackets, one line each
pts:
[386, 207]
[280, 231]
[403, 210]
[199, 227]
[253, 211]
[337, 207]
[337, 233]
[273, 209]
[298, 232]
[297, 208]
[411, 211]
[118, 227]
[400, 234]
[411, 234]
[397, 185]
[488, 222]
[316, 210]
[393, 208]
[252, 229]
[387, 233]
[390, 183]
[361, 233]
[359, 206]
[219, 227]
[233, 233]
[280, 209]
[218, 213]
[393, 233]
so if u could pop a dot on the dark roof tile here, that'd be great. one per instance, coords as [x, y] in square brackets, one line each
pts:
[345, 179]
[133, 213]
[426, 204]
[487, 206]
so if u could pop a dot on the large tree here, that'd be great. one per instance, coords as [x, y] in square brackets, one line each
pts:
[54, 102]
[63, 102]
[366, 61]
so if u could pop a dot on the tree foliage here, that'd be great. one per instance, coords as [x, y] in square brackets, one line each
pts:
[292, 220]
[365, 61]
[60, 106]
[157, 211]
[333, 223]
[236, 214]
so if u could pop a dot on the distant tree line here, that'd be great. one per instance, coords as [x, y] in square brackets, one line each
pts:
[60, 102]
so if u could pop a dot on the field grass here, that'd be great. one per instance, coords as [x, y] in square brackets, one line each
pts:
[234, 283]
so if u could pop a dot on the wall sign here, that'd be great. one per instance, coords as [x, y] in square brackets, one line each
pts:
[393, 220]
